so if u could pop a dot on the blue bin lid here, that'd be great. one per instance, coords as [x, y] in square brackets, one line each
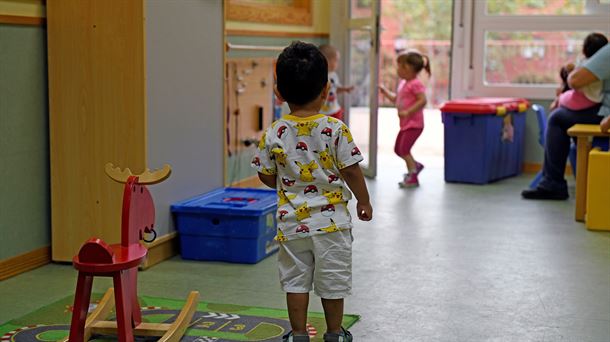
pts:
[234, 201]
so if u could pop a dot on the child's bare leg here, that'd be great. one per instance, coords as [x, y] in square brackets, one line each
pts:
[297, 312]
[333, 313]
[411, 163]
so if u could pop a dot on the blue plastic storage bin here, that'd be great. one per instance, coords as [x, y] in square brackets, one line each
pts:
[228, 224]
[474, 150]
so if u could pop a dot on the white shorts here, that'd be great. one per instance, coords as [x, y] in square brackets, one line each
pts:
[323, 260]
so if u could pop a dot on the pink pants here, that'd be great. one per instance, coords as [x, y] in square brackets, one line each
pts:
[405, 140]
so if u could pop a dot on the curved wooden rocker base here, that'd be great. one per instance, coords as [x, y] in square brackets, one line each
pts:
[169, 332]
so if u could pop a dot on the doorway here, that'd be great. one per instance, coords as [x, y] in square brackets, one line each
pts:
[426, 27]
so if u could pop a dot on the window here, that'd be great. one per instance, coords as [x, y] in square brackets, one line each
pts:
[536, 7]
[516, 48]
[360, 9]
[529, 58]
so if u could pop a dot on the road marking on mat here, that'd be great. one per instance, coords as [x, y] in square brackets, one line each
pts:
[9, 335]
[218, 315]
[311, 330]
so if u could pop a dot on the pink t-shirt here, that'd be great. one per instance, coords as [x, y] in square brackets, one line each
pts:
[575, 100]
[406, 95]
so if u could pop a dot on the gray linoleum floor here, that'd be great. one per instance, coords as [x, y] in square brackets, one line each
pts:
[443, 262]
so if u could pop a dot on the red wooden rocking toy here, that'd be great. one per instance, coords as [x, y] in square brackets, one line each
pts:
[121, 261]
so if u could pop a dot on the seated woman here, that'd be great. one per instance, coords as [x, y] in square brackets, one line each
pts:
[553, 185]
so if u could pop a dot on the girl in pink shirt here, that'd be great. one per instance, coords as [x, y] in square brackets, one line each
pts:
[590, 95]
[410, 99]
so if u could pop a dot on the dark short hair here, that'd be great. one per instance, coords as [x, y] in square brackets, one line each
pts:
[593, 42]
[301, 73]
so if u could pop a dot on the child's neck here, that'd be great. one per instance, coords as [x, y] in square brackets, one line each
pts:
[304, 112]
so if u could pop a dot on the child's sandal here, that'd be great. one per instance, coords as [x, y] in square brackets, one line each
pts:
[290, 337]
[343, 336]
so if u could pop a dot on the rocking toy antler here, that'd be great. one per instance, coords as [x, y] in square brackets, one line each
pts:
[145, 178]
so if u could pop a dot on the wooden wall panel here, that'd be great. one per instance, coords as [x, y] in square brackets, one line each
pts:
[250, 88]
[97, 114]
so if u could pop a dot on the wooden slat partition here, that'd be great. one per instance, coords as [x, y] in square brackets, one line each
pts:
[96, 60]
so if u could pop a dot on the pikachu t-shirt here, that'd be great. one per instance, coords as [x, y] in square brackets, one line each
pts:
[306, 154]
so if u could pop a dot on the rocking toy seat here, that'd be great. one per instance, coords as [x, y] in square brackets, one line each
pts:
[121, 258]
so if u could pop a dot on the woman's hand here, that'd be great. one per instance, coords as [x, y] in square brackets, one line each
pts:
[605, 124]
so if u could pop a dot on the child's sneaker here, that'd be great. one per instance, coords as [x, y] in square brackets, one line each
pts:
[292, 338]
[410, 181]
[418, 168]
[343, 336]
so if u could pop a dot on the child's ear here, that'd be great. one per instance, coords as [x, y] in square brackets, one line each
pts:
[325, 91]
[277, 93]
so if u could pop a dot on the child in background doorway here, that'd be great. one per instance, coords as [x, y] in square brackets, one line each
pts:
[585, 97]
[410, 99]
[332, 107]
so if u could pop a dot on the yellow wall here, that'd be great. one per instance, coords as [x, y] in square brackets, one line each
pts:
[321, 22]
[25, 8]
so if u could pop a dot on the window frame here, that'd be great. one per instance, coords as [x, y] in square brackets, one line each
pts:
[471, 22]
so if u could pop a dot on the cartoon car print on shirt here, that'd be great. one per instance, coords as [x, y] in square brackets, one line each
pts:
[333, 178]
[301, 146]
[306, 173]
[303, 212]
[356, 151]
[326, 133]
[281, 130]
[305, 128]
[287, 181]
[327, 210]
[310, 191]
